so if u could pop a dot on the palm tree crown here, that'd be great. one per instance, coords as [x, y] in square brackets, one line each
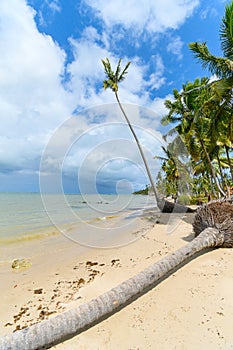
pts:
[114, 78]
[221, 66]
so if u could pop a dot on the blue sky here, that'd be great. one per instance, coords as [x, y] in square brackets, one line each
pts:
[59, 128]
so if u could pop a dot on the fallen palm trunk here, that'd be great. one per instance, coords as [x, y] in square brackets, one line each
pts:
[218, 214]
[70, 322]
[166, 206]
[73, 321]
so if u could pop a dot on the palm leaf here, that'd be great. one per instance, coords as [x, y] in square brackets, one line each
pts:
[113, 78]
[220, 66]
[226, 32]
[118, 70]
[122, 76]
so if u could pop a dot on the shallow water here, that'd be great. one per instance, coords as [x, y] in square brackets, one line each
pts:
[28, 216]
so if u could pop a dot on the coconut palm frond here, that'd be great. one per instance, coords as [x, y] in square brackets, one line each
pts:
[223, 88]
[118, 70]
[122, 76]
[111, 81]
[226, 32]
[113, 78]
[220, 66]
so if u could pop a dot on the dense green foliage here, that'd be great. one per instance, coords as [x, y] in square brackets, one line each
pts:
[144, 192]
[202, 116]
[197, 162]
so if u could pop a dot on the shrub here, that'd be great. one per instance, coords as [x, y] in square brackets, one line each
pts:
[183, 199]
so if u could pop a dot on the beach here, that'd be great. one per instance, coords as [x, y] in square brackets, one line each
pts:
[190, 309]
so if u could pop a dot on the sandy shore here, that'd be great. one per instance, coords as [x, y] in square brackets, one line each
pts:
[191, 309]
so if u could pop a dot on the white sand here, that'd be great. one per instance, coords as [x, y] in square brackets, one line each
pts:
[191, 309]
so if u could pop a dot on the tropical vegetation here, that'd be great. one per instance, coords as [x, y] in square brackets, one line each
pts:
[202, 117]
[197, 161]
[112, 81]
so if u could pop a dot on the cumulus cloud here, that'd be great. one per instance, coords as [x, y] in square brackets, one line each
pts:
[34, 101]
[48, 9]
[175, 47]
[86, 73]
[95, 153]
[157, 79]
[152, 16]
[208, 12]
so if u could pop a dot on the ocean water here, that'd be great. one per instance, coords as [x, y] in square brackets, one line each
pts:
[92, 220]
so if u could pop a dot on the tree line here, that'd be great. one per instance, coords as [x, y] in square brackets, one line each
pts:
[202, 117]
[197, 162]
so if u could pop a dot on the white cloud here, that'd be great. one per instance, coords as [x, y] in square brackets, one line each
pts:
[32, 98]
[96, 152]
[54, 5]
[209, 12]
[150, 15]
[158, 107]
[175, 47]
[157, 78]
[86, 69]
[87, 73]
[34, 101]
[48, 9]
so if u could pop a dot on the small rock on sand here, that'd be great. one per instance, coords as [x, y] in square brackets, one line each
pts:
[21, 263]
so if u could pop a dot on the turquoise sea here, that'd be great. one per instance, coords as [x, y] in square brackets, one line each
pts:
[84, 218]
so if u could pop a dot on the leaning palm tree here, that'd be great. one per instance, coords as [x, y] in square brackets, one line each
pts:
[192, 122]
[176, 172]
[169, 167]
[112, 81]
[114, 78]
[213, 227]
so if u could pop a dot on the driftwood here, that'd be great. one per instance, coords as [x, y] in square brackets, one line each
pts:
[69, 323]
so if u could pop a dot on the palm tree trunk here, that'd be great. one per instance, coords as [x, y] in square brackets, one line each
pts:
[211, 184]
[229, 161]
[221, 172]
[224, 181]
[140, 149]
[213, 174]
[163, 205]
[67, 324]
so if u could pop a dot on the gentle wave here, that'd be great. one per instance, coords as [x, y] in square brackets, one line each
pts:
[24, 217]
[30, 236]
